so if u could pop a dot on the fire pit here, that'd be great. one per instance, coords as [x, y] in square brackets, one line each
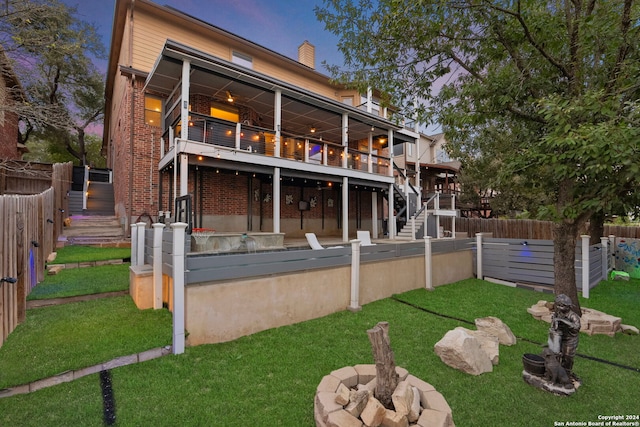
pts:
[346, 395]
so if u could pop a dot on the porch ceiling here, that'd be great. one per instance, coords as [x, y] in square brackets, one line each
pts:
[301, 110]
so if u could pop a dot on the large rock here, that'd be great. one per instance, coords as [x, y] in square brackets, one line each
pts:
[461, 350]
[495, 326]
[489, 343]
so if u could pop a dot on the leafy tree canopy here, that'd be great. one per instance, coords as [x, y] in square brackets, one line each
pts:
[544, 92]
[50, 50]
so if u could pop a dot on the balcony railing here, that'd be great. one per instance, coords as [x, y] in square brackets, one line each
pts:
[254, 139]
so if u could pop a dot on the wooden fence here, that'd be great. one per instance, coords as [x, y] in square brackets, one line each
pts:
[525, 228]
[29, 229]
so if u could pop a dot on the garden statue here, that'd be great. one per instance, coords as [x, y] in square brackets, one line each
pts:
[553, 369]
[564, 332]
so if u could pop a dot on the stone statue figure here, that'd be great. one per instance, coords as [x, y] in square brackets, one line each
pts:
[564, 332]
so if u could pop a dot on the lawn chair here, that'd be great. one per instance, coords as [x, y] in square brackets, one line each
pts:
[365, 238]
[313, 242]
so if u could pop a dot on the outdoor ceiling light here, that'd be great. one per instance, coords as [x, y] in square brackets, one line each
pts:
[229, 97]
[313, 129]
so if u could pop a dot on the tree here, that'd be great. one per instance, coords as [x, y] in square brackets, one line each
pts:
[64, 92]
[558, 79]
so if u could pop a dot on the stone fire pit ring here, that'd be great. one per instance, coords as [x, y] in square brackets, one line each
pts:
[435, 410]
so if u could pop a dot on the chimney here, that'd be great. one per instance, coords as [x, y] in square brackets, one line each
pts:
[307, 54]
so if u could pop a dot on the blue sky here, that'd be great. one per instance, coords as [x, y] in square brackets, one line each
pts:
[280, 25]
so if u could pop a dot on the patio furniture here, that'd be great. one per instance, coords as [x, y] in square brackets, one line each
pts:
[364, 237]
[313, 242]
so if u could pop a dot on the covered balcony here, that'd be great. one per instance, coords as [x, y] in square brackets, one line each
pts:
[236, 114]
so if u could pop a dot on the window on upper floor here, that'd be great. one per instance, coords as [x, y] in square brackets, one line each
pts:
[224, 112]
[442, 156]
[347, 100]
[242, 59]
[410, 148]
[152, 110]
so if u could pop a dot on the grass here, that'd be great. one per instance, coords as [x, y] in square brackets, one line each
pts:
[77, 253]
[83, 281]
[269, 378]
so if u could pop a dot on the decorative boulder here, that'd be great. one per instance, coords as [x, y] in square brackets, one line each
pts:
[461, 350]
[495, 326]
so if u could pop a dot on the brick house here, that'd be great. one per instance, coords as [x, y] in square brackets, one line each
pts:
[256, 141]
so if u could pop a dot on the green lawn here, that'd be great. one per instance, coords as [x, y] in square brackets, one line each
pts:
[83, 281]
[78, 253]
[269, 378]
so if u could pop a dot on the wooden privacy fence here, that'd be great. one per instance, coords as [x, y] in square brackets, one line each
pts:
[524, 228]
[29, 229]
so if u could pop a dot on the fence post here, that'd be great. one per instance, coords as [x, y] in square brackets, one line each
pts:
[479, 256]
[158, 228]
[355, 276]
[413, 229]
[428, 265]
[585, 265]
[140, 248]
[604, 243]
[612, 245]
[134, 245]
[178, 286]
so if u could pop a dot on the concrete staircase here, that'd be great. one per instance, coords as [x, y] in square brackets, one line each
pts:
[405, 232]
[95, 230]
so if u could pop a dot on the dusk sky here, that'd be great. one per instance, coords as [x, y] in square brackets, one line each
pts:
[280, 25]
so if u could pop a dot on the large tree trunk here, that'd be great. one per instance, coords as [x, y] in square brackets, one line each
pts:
[564, 253]
[596, 227]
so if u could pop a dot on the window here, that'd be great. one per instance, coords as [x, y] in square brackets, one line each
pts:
[241, 59]
[152, 110]
[442, 156]
[224, 112]
[348, 100]
[410, 146]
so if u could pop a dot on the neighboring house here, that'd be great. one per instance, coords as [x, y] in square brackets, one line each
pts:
[10, 93]
[254, 140]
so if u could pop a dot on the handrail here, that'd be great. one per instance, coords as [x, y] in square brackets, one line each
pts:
[397, 168]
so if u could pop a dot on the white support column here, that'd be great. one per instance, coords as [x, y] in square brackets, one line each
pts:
[141, 228]
[184, 129]
[355, 276]
[306, 150]
[325, 154]
[479, 256]
[390, 145]
[370, 154]
[585, 266]
[238, 135]
[428, 264]
[604, 245]
[276, 200]
[374, 214]
[369, 100]
[391, 225]
[277, 121]
[345, 139]
[345, 209]
[184, 175]
[178, 286]
[184, 111]
[134, 244]
[157, 265]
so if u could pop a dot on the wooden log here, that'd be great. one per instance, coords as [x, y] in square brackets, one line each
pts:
[387, 377]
